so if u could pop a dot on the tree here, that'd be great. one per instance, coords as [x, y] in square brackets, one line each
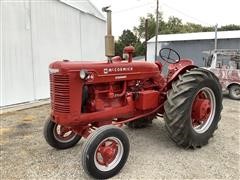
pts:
[128, 38]
[139, 49]
[192, 27]
[140, 29]
[229, 27]
[119, 48]
[174, 25]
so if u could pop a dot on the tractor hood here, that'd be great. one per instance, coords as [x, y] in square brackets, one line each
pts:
[102, 67]
[98, 71]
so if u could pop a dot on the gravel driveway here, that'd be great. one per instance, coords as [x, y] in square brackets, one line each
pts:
[26, 155]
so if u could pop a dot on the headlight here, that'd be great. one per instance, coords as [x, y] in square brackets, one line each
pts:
[83, 74]
[52, 70]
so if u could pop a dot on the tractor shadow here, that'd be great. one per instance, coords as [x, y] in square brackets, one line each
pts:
[153, 135]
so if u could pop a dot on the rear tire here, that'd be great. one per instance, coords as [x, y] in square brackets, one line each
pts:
[234, 92]
[105, 152]
[59, 140]
[179, 111]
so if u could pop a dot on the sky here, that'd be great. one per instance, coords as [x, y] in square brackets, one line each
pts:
[126, 13]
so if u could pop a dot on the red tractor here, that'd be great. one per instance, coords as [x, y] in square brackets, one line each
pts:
[93, 99]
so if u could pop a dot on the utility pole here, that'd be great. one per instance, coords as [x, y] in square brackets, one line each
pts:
[146, 38]
[215, 42]
[156, 33]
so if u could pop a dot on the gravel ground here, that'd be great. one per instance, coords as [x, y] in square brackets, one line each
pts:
[26, 155]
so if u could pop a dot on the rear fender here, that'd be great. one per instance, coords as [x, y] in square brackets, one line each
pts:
[174, 70]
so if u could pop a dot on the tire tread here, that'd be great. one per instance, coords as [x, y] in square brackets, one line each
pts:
[176, 108]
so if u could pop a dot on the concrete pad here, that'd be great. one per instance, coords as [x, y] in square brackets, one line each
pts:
[27, 105]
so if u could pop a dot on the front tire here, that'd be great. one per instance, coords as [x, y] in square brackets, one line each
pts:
[105, 152]
[193, 108]
[234, 92]
[58, 136]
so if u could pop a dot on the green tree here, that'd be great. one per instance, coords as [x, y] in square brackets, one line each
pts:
[140, 29]
[174, 25]
[139, 49]
[171, 26]
[192, 27]
[128, 38]
[119, 48]
[229, 27]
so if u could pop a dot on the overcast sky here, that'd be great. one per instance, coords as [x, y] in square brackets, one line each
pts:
[126, 13]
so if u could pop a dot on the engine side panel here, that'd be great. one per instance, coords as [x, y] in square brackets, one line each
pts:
[113, 90]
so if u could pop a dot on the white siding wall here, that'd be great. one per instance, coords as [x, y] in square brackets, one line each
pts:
[17, 85]
[92, 37]
[55, 35]
[35, 34]
[151, 52]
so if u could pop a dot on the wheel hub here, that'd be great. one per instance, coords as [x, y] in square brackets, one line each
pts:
[203, 110]
[237, 91]
[107, 152]
[63, 134]
[63, 131]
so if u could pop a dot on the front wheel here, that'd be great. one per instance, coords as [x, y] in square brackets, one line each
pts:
[59, 136]
[193, 108]
[105, 152]
[234, 92]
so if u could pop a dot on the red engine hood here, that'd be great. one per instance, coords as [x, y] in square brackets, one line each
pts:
[101, 70]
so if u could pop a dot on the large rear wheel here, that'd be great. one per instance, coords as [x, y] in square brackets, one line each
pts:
[193, 108]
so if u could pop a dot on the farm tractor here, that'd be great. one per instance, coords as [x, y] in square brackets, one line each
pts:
[94, 99]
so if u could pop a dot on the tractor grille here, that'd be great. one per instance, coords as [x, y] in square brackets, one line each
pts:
[60, 93]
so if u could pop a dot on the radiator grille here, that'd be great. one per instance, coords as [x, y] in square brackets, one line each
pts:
[59, 86]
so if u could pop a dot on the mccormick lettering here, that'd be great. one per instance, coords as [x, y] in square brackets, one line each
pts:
[117, 69]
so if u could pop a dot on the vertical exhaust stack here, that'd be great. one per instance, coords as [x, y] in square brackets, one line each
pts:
[109, 38]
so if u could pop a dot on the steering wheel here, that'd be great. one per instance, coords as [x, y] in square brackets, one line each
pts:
[169, 55]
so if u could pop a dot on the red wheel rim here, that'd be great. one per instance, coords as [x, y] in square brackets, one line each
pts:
[63, 134]
[203, 110]
[108, 154]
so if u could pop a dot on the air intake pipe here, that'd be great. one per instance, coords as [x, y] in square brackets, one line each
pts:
[109, 38]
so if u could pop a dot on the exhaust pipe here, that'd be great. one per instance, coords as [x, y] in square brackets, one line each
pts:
[109, 38]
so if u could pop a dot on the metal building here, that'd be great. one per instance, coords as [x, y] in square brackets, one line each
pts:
[35, 33]
[191, 45]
